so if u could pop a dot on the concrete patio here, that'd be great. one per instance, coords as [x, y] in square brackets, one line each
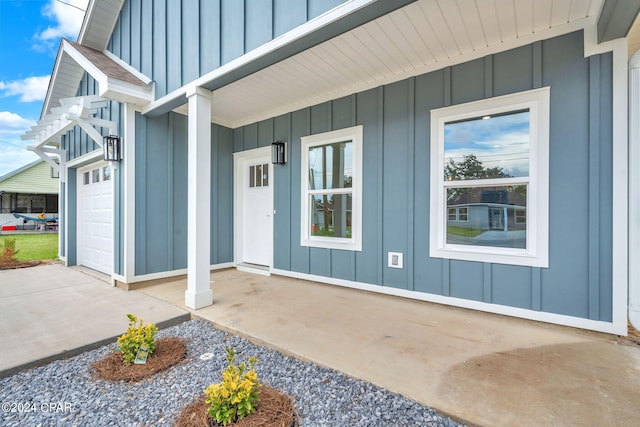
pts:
[479, 368]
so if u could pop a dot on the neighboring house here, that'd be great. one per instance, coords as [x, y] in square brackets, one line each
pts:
[370, 97]
[487, 216]
[482, 209]
[31, 189]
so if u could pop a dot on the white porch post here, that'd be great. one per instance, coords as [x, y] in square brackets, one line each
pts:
[198, 293]
[129, 188]
[634, 190]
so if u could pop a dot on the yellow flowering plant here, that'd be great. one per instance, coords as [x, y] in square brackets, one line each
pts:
[136, 335]
[237, 395]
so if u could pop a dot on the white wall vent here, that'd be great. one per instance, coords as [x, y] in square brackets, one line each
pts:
[394, 260]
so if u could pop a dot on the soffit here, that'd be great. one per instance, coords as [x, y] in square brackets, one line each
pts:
[100, 19]
[67, 75]
[420, 37]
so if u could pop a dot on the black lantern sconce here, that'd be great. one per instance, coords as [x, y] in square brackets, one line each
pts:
[278, 153]
[112, 148]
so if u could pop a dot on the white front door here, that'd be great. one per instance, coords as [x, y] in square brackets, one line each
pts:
[254, 207]
[95, 217]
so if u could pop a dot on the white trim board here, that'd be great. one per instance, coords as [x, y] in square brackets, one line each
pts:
[85, 159]
[253, 269]
[129, 196]
[167, 274]
[558, 319]
[620, 196]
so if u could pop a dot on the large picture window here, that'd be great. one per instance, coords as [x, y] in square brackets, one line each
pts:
[331, 197]
[489, 180]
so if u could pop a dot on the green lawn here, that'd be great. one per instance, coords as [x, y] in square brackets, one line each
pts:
[34, 246]
[465, 232]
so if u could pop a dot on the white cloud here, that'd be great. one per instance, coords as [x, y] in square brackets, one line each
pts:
[29, 90]
[13, 125]
[12, 159]
[13, 153]
[67, 22]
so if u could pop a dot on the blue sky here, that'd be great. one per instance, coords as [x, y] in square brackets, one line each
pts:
[30, 32]
[497, 141]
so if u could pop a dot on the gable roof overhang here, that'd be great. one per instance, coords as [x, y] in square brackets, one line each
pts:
[62, 110]
[116, 79]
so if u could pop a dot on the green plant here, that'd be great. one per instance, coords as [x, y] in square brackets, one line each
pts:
[237, 395]
[136, 335]
[9, 251]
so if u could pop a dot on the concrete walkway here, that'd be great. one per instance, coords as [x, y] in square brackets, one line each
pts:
[479, 368]
[49, 312]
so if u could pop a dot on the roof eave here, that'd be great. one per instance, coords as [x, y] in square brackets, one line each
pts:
[616, 18]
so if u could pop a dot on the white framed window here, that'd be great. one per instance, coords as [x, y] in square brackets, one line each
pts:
[490, 165]
[463, 214]
[331, 190]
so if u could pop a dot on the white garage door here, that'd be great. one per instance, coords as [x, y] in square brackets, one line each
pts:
[95, 217]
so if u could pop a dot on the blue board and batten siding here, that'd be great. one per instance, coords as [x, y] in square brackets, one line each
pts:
[76, 144]
[161, 194]
[396, 159]
[174, 42]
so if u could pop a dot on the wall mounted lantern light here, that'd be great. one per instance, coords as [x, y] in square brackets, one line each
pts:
[112, 148]
[278, 153]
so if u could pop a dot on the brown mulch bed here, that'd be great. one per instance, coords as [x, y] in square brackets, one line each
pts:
[275, 410]
[168, 352]
[8, 265]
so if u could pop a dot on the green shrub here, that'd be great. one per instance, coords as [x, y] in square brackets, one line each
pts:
[9, 251]
[237, 395]
[136, 335]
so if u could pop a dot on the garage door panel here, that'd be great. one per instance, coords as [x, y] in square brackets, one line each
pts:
[95, 210]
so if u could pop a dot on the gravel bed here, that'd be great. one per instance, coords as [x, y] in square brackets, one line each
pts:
[63, 393]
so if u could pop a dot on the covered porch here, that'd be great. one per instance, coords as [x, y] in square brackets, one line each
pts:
[301, 69]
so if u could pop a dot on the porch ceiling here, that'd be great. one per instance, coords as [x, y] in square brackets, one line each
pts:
[420, 37]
